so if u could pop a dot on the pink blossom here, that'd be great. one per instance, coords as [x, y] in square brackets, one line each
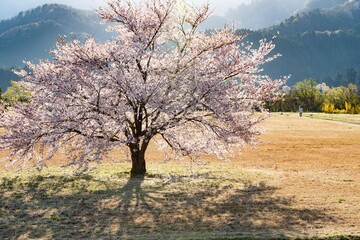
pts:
[159, 77]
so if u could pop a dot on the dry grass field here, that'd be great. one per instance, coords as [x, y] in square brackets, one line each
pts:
[301, 181]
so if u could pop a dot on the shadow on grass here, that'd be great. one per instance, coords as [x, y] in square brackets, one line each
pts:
[151, 208]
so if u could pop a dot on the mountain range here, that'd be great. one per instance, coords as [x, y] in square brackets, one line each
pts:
[36, 30]
[31, 34]
[315, 43]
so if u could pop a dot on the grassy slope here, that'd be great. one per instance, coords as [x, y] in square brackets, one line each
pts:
[272, 191]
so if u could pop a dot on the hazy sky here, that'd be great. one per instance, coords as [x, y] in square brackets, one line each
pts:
[10, 8]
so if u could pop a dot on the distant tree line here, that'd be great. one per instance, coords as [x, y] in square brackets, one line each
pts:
[314, 97]
[307, 94]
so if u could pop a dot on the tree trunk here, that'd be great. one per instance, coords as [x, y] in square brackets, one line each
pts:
[138, 159]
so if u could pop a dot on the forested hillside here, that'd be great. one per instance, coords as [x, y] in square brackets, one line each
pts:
[317, 44]
[6, 75]
[321, 44]
[31, 34]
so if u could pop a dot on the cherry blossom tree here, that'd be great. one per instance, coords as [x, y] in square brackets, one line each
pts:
[160, 76]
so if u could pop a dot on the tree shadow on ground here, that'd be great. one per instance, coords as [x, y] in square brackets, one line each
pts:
[153, 207]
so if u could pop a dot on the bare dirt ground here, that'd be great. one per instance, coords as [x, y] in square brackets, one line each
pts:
[317, 162]
[302, 180]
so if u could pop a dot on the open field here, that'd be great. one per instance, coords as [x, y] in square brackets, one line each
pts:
[302, 180]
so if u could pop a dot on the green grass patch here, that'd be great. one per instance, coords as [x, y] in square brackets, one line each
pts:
[346, 118]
